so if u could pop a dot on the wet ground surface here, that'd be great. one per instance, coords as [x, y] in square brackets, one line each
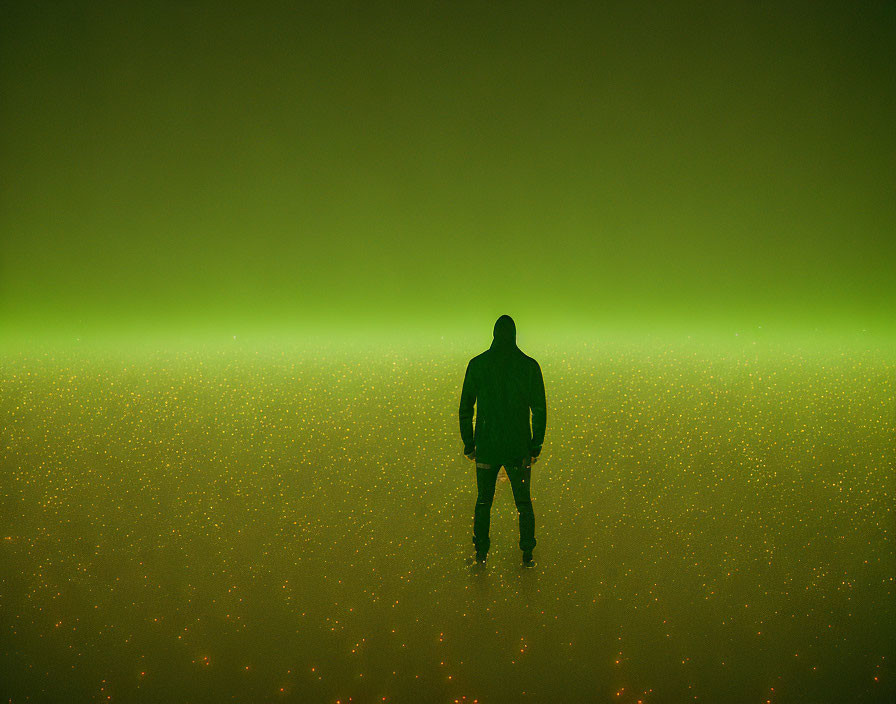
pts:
[218, 526]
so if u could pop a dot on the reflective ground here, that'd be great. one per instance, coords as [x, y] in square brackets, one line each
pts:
[291, 524]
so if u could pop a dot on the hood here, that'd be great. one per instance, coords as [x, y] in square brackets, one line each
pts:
[504, 335]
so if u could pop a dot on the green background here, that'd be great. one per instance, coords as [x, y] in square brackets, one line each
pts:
[688, 209]
[400, 168]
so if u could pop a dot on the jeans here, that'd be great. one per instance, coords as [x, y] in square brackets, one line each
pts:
[520, 479]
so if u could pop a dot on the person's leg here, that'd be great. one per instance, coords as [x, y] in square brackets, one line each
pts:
[486, 477]
[520, 479]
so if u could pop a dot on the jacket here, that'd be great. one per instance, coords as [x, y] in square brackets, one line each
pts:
[505, 384]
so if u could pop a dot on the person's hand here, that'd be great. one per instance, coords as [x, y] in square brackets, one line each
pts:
[532, 460]
[471, 456]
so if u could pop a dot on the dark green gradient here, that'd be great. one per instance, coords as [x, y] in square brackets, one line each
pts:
[286, 169]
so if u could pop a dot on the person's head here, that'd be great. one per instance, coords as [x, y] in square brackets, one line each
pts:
[505, 330]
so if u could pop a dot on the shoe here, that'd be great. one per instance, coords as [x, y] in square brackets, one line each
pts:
[527, 559]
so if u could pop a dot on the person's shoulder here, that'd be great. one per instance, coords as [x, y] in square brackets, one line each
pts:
[478, 358]
[531, 361]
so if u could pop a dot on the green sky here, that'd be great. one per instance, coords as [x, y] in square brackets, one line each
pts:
[292, 166]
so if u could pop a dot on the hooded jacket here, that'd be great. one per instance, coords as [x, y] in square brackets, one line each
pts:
[505, 384]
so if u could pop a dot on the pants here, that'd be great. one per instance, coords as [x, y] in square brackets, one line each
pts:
[520, 479]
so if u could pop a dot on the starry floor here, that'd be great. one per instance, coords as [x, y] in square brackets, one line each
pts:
[291, 524]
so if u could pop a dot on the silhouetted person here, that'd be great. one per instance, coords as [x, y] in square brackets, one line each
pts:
[505, 384]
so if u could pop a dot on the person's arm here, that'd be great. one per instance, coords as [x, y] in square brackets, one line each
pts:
[538, 404]
[467, 399]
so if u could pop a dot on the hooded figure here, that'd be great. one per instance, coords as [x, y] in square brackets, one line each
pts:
[505, 384]
[504, 341]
